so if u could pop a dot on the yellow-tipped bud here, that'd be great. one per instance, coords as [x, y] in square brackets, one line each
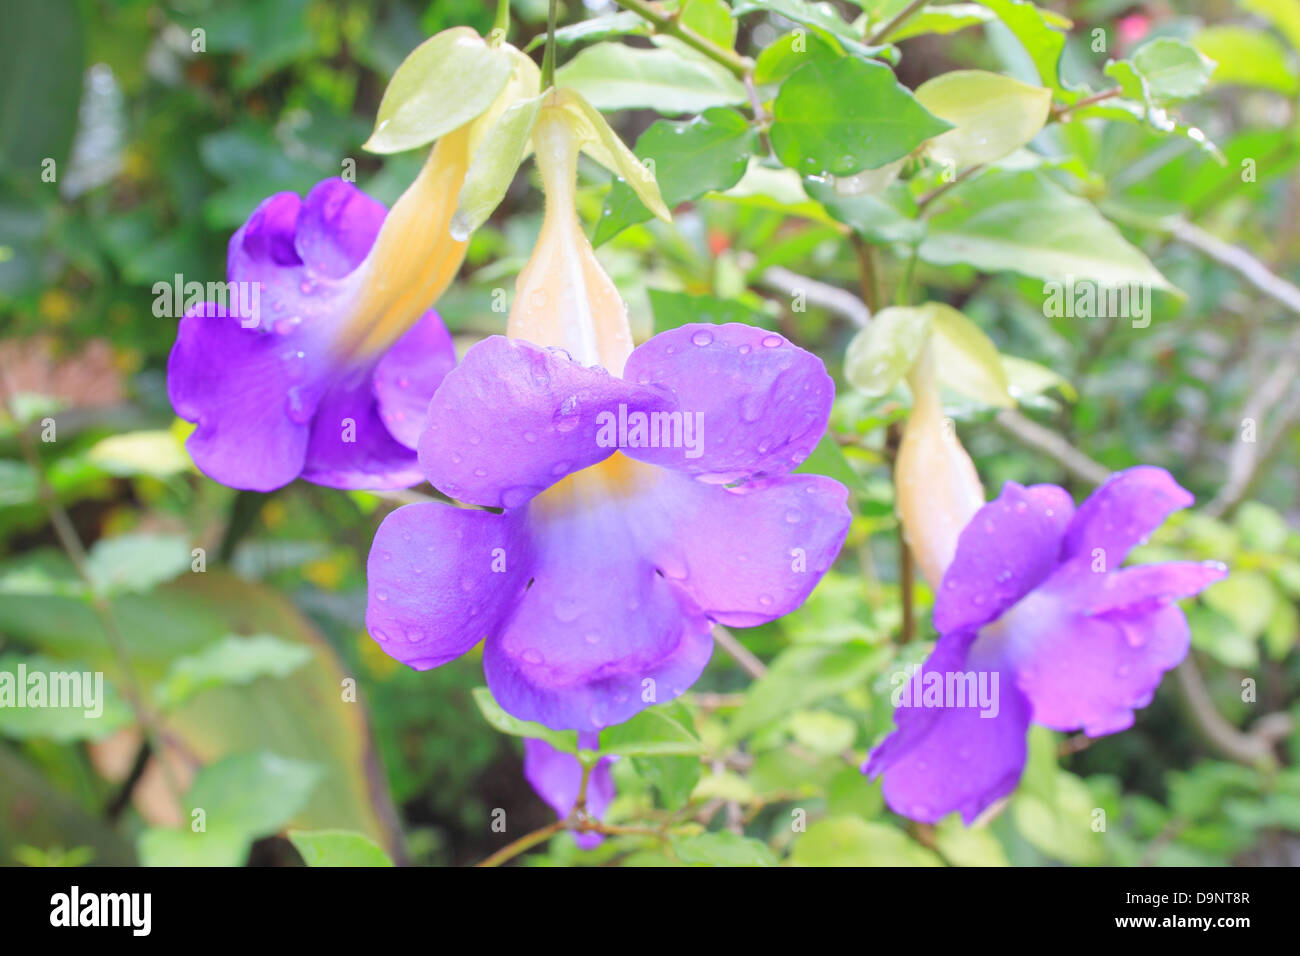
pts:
[562, 296]
[937, 489]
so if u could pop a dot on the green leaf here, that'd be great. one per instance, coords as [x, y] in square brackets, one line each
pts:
[822, 19]
[447, 81]
[338, 848]
[880, 355]
[157, 453]
[803, 675]
[232, 660]
[1036, 29]
[1247, 57]
[788, 53]
[712, 20]
[673, 777]
[1021, 221]
[19, 483]
[966, 359]
[889, 216]
[611, 76]
[243, 797]
[603, 145]
[842, 117]
[1026, 379]
[961, 845]
[253, 794]
[494, 165]
[657, 731]
[623, 23]
[1053, 809]
[566, 740]
[948, 18]
[1172, 69]
[136, 562]
[1283, 14]
[690, 158]
[90, 708]
[852, 841]
[675, 309]
[43, 43]
[993, 115]
[722, 849]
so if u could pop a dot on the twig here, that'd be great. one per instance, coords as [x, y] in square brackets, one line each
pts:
[670, 25]
[526, 842]
[822, 294]
[750, 664]
[924, 201]
[1252, 748]
[1063, 110]
[1241, 262]
[1028, 432]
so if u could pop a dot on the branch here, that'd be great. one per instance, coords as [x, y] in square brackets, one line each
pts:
[1033, 435]
[903, 16]
[822, 294]
[1241, 262]
[669, 25]
[748, 662]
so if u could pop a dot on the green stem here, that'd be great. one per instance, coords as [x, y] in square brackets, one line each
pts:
[502, 21]
[670, 25]
[548, 58]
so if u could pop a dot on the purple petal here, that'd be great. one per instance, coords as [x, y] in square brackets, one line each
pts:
[557, 777]
[745, 556]
[599, 636]
[1090, 648]
[513, 418]
[245, 392]
[1122, 512]
[441, 578]
[1010, 546]
[336, 227]
[763, 402]
[945, 759]
[350, 445]
[408, 375]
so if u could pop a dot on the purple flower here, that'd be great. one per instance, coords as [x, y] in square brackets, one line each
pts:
[1036, 609]
[323, 358]
[557, 777]
[596, 585]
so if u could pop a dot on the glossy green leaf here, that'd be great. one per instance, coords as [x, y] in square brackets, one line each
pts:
[1026, 379]
[338, 848]
[447, 81]
[789, 52]
[157, 453]
[712, 20]
[566, 740]
[1020, 221]
[611, 76]
[800, 676]
[1041, 33]
[673, 777]
[842, 117]
[656, 731]
[941, 19]
[992, 115]
[722, 849]
[136, 562]
[852, 841]
[232, 660]
[623, 23]
[675, 309]
[690, 158]
[882, 353]
[1247, 57]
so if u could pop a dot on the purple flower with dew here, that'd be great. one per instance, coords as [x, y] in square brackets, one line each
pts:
[596, 584]
[557, 778]
[324, 356]
[1036, 608]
